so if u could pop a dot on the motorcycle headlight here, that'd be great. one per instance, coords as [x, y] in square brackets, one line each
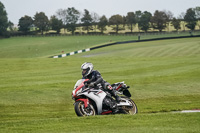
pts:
[73, 97]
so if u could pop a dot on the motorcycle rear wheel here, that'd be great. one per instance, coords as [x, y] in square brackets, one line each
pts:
[130, 110]
[80, 109]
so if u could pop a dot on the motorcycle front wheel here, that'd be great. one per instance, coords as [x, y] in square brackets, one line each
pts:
[80, 109]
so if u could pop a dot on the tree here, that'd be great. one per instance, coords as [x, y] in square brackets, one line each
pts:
[144, 22]
[41, 21]
[3, 20]
[62, 14]
[181, 18]
[72, 19]
[197, 12]
[116, 20]
[138, 15]
[131, 20]
[102, 23]
[169, 18]
[69, 18]
[96, 19]
[159, 20]
[10, 26]
[190, 19]
[87, 20]
[176, 23]
[25, 24]
[56, 24]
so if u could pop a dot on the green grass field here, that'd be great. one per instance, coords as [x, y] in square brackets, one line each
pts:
[35, 91]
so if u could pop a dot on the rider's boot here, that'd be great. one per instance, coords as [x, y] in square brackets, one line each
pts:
[117, 98]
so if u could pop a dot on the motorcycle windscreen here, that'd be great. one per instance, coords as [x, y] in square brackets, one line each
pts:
[79, 82]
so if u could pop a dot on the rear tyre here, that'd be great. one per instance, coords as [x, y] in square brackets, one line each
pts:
[130, 110]
[80, 109]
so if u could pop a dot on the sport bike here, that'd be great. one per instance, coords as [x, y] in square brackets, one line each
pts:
[93, 101]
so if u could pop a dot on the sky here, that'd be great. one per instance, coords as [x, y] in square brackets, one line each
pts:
[19, 8]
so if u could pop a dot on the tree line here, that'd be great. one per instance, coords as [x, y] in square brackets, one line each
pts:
[70, 19]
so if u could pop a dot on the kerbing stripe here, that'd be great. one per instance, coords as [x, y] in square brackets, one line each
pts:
[87, 50]
[188, 111]
[72, 53]
[63, 55]
[80, 51]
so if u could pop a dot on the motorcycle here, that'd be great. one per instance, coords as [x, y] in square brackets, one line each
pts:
[93, 101]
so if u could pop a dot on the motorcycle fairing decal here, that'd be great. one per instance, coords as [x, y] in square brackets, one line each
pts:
[86, 102]
[107, 112]
[99, 92]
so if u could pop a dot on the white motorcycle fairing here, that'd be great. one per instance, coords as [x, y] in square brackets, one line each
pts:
[97, 96]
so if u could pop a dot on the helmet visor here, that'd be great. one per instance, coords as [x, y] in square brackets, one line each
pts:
[84, 71]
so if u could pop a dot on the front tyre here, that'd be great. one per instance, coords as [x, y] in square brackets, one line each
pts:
[80, 109]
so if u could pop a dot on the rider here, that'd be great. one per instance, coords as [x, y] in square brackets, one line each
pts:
[95, 78]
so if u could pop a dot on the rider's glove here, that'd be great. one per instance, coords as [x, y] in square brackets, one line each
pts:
[86, 83]
[92, 84]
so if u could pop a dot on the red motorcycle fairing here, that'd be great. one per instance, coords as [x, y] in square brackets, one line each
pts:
[78, 88]
[86, 102]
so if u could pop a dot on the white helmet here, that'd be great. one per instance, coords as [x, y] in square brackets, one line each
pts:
[86, 68]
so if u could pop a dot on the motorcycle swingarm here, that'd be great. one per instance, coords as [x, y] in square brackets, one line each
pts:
[124, 103]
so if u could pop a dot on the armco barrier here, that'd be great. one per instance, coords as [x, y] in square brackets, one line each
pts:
[124, 42]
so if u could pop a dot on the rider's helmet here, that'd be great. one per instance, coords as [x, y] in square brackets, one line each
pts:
[86, 68]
